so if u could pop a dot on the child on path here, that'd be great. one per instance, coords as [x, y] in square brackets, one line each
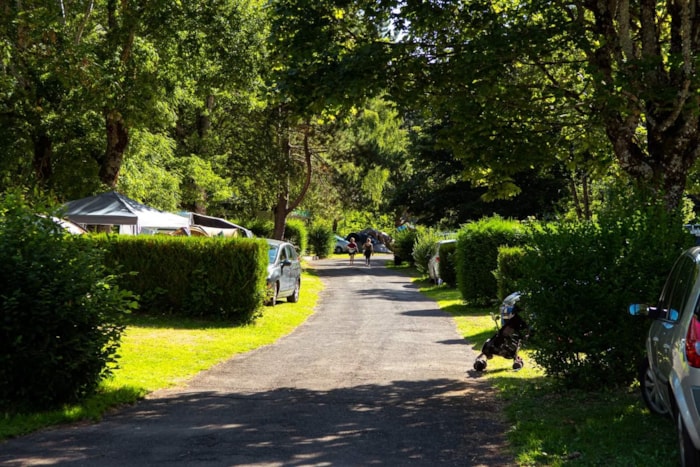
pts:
[352, 249]
[368, 250]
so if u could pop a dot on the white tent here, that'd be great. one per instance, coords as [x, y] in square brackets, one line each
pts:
[113, 208]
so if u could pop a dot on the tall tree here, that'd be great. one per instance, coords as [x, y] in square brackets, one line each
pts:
[529, 69]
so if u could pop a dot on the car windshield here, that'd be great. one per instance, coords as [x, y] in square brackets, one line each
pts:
[272, 253]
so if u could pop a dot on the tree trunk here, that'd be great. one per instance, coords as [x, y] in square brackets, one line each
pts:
[204, 119]
[586, 197]
[574, 196]
[43, 151]
[283, 206]
[280, 213]
[117, 141]
[655, 93]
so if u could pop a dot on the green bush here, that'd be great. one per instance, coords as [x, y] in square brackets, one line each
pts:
[579, 279]
[261, 228]
[322, 239]
[296, 233]
[448, 258]
[217, 278]
[403, 246]
[477, 256]
[509, 271]
[61, 311]
[423, 248]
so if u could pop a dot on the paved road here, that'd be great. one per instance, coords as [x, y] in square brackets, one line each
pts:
[377, 376]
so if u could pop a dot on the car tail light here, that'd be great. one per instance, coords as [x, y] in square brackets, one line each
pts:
[692, 343]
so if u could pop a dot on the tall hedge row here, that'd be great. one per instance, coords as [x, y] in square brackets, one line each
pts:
[510, 270]
[477, 256]
[579, 279]
[221, 278]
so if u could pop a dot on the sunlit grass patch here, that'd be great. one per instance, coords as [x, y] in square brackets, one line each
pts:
[162, 352]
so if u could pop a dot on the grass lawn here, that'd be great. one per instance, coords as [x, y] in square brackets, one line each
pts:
[164, 352]
[548, 426]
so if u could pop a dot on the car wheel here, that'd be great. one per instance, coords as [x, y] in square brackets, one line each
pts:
[272, 299]
[690, 456]
[295, 295]
[338, 250]
[650, 393]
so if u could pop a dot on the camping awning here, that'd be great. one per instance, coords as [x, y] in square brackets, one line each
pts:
[113, 208]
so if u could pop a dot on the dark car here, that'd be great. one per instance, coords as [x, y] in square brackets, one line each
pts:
[670, 373]
[377, 245]
[283, 272]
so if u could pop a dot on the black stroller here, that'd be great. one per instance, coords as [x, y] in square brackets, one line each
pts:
[510, 335]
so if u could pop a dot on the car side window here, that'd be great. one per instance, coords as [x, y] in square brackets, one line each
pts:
[291, 253]
[283, 254]
[678, 288]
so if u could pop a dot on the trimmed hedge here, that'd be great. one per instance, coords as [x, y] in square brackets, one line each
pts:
[296, 233]
[220, 278]
[403, 246]
[509, 271]
[580, 278]
[477, 256]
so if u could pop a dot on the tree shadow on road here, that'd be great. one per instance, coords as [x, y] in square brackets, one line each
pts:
[434, 422]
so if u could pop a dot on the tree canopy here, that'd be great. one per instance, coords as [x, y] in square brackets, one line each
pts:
[442, 109]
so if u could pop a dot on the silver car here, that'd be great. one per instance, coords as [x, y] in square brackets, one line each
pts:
[341, 245]
[283, 272]
[670, 375]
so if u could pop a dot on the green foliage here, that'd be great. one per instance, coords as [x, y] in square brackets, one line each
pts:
[216, 278]
[477, 256]
[322, 239]
[356, 221]
[403, 246]
[297, 234]
[423, 247]
[509, 271]
[448, 263]
[261, 228]
[579, 280]
[61, 311]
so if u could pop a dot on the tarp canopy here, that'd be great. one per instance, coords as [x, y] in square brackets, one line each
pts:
[113, 208]
[217, 222]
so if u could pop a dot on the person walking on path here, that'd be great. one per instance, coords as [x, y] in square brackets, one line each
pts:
[352, 249]
[368, 249]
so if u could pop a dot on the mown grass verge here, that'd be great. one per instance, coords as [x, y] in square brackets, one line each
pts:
[162, 352]
[550, 426]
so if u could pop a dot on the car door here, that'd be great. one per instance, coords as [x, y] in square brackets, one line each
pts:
[293, 270]
[284, 269]
[672, 303]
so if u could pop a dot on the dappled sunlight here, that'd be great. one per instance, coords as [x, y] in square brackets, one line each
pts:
[320, 427]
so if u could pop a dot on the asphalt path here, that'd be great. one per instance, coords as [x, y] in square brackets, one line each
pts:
[377, 376]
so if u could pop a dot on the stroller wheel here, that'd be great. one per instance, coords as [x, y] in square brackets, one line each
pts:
[518, 363]
[479, 364]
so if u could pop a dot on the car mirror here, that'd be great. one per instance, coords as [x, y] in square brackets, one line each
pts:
[286, 262]
[653, 312]
[639, 309]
